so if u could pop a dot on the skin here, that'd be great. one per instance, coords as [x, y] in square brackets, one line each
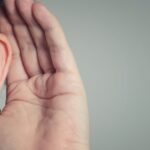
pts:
[46, 106]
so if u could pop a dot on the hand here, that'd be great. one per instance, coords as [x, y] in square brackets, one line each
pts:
[46, 106]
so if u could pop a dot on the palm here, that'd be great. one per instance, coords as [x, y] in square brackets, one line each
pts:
[47, 120]
[45, 96]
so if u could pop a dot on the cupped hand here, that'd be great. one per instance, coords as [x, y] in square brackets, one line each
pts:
[46, 107]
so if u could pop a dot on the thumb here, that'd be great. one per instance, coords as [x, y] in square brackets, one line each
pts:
[5, 58]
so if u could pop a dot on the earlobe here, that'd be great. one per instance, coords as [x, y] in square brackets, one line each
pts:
[5, 58]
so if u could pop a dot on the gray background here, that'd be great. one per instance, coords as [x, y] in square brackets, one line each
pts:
[111, 43]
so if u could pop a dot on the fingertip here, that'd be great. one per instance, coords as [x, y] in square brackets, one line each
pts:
[41, 11]
[43, 16]
[22, 6]
[37, 6]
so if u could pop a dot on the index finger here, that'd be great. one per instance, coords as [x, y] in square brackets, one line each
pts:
[59, 49]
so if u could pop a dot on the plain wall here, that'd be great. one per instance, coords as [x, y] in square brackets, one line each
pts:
[111, 43]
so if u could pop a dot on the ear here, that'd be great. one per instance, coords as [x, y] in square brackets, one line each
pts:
[5, 58]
